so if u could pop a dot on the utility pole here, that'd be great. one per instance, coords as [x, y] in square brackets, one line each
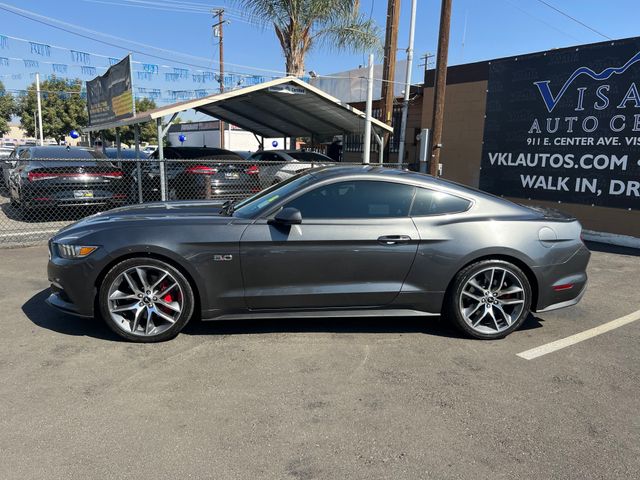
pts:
[440, 87]
[389, 64]
[426, 58]
[407, 83]
[218, 32]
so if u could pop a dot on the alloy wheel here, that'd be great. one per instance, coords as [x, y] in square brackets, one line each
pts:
[145, 300]
[491, 300]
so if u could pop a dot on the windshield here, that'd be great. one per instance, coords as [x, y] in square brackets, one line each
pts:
[260, 202]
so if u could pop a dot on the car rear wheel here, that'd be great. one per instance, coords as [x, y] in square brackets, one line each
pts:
[489, 299]
[146, 300]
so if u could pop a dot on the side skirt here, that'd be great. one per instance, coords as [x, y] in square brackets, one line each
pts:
[395, 312]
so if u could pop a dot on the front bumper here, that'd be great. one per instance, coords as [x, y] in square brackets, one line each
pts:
[58, 300]
[73, 283]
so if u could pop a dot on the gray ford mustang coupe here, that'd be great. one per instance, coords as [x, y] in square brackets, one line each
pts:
[334, 241]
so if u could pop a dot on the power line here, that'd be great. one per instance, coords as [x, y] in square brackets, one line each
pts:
[574, 19]
[236, 15]
[517, 7]
[50, 22]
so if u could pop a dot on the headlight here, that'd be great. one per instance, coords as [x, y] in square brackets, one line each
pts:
[74, 251]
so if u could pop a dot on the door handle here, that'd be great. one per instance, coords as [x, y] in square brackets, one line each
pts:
[394, 239]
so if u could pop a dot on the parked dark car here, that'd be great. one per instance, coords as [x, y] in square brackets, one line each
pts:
[9, 165]
[282, 164]
[149, 173]
[335, 241]
[208, 173]
[57, 176]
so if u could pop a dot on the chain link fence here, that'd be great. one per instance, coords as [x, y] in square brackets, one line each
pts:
[40, 196]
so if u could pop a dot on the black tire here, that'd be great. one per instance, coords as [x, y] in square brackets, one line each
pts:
[453, 309]
[187, 299]
[26, 213]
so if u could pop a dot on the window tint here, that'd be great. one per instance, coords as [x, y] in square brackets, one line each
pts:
[431, 202]
[263, 200]
[64, 153]
[356, 199]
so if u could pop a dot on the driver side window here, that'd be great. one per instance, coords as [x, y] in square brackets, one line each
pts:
[356, 199]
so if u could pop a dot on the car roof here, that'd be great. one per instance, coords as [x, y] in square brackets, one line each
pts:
[196, 152]
[126, 153]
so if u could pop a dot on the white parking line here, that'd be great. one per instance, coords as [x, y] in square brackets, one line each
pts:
[22, 234]
[579, 337]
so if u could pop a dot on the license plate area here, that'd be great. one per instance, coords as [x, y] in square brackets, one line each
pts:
[83, 193]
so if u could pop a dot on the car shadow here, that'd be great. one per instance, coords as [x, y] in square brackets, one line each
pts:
[48, 214]
[435, 326]
[52, 319]
[44, 316]
[608, 248]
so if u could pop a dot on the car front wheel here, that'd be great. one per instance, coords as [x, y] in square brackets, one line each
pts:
[489, 299]
[146, 300]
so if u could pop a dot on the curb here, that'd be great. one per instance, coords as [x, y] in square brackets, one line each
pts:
[611, 239]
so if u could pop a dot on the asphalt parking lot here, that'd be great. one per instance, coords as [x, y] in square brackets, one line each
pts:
[398, 398]
[15, 231]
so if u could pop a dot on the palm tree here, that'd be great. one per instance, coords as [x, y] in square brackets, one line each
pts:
[300, 25]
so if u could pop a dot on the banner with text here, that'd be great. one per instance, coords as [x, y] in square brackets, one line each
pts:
[110, 96]
[565, 126]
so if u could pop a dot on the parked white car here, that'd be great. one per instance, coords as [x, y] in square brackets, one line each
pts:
[286, 163]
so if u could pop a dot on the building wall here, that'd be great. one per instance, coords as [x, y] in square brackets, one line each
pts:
[461, 154]
[463, 129]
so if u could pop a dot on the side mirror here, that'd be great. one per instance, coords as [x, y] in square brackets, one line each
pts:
[287, 216]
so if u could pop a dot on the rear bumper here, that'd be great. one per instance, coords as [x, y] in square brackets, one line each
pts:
[47, 196]
[562, 285]
[564, 304]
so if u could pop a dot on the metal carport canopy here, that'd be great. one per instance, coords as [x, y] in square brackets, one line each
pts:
[285, 107]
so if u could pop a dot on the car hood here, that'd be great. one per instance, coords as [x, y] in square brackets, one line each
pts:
[153, 212]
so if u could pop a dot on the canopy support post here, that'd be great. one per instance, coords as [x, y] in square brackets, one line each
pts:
[366, 155]
[118, 147]
[163, 175]
[380, 140]
[136, 139]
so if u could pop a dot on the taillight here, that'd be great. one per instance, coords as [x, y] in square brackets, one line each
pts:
[252, 170]
[202, 170]
[35, 176]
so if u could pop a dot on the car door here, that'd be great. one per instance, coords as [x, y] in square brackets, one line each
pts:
[354, 248]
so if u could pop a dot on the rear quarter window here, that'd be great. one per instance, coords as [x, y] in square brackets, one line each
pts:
[432, 202]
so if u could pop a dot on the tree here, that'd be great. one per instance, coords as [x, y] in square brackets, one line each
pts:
[63, 108]
[148, 131]
[300, 25]
[7, 108]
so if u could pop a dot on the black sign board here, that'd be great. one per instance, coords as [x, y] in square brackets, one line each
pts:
[110, 96]
[565, 125]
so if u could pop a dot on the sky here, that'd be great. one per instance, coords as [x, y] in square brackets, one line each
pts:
[480, 30]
